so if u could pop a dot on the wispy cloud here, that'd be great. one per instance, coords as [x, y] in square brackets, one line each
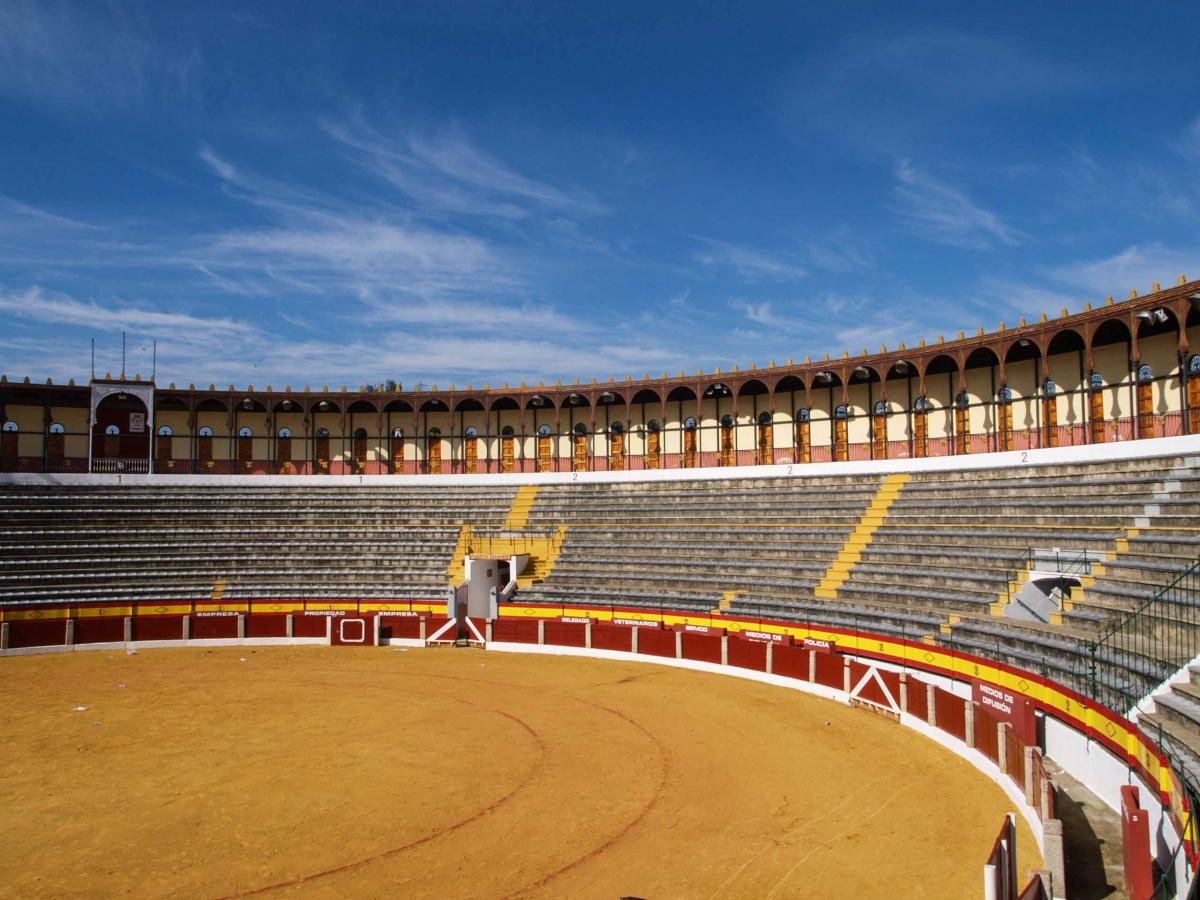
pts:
[61, 309]
[749, 262]
[935, 211]
[445, 171]
[1189, 141]
[14, 213]
[86, 56]
[883, 91]
[1136, 267]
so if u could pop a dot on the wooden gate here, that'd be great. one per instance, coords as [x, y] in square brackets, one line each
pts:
[8, 449]
[727, 445]
[1145, 409]
[283, 455]
[322, 454]
[920, 422]
[397, 449]
[507, 455]
[56, 450]
[1050, 417]
[204, 452]
[841, 446]
[1005, 415]
[162, 451]
[580, 454]
[804, 441]
[689, 448]
[652, 452]
[471, 452]
[245, 453]
[766, 445]
[1193, 403]
[879, 436]
[434, 459]
[962, 429]
[616, 451]
[112, 446]
[543, 453]
[360, 452]
[1096, 400]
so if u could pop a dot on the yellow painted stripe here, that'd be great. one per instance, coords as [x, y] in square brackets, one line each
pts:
[276, 606]
[33, 615]
[89, 612]
[162, 609]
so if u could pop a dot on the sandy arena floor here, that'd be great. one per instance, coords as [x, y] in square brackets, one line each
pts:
[449, 773]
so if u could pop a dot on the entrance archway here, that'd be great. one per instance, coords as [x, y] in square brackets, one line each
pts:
[121, 434]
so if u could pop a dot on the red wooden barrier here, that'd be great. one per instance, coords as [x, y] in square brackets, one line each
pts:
[565, 634]
[266, 625]
[790, 661]
[918, 699]
[656, 642]
[517, 631]
[202, 627]
[1135, 833]
[611, 637]
[951, 716]
[702, 647]
[747, 654]
[37, 633]
[100, 630]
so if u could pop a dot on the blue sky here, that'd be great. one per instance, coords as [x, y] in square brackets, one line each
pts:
[472, 192]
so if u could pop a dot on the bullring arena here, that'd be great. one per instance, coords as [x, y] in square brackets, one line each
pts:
[234, 772]
[870, 628]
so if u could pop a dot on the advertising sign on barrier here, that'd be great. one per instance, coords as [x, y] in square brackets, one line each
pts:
[1008, 707]
[766, 637]
[698, 629]
[819, 645]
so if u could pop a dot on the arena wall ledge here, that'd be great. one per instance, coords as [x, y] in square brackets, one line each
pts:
[933, 690]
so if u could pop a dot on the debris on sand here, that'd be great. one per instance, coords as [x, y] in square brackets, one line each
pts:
[79, 709]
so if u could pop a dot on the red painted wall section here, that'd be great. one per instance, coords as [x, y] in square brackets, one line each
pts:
[205, 627]
[307, 626]
[918, 699]
[37, 633]
[518, 631]
[951, 716]
[100, 630]
[790, 660]
[565, 634]
[702, 647]
[747, 654]
[165, 628]
[656, 642]
[611, 637]
[407, 627]
[266, 626]
[830, 671]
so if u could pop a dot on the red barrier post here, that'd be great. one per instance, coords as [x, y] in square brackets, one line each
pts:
[1135, 834]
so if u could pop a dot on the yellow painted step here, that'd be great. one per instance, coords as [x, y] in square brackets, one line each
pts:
[851, 552]
[518, 514]
[218, 590]
[456, 571]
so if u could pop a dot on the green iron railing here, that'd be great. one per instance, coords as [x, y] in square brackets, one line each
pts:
[1143, 649]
